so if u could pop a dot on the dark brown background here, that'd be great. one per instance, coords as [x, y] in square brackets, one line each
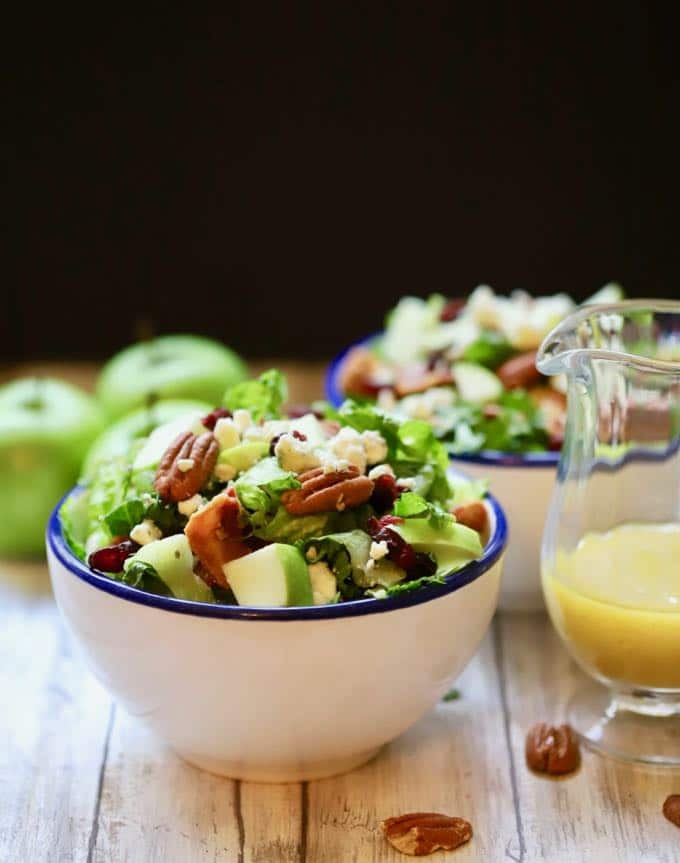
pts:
[277, 179]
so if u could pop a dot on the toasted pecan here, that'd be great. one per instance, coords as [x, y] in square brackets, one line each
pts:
[552, 749]
[215, 536]
[474, 515]
[325, 492]
[519, 371]
[418, 377]
[421, 833]
[186, 466]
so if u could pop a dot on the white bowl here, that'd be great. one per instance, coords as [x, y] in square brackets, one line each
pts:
[523, 484]
[277, 695]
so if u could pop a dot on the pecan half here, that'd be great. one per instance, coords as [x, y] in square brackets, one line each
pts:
[186, 466]
[519, 371]
[421, 833]
[552, 749]
[553, 406]
[671, 809]
[325, 492]
[418, 377]
[473, 515]
[215, 536]
[362, 373]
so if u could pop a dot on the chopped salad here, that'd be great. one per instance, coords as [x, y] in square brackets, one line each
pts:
[249, 504]
[467, 367]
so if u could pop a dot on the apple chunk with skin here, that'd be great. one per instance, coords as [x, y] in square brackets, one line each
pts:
[46, 426]
[273, 576]
[181, 366]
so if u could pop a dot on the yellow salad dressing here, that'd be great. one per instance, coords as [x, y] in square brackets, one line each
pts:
[615, 599]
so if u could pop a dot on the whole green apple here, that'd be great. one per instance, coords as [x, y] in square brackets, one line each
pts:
[120, 436]
[181, 366]
[46, 426]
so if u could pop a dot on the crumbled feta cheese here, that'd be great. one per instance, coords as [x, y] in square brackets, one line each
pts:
[295, 455]
[324, 583]
[408, 482]
[225, 472]
[267, 430]
[226, 433]
[189, 507]
[242, 420]
[347, 444]
[386, 400]
[185, 464]
[145, 532]
[380, 470]
[423, 406]
[378, 550]
[332, 465]
[375, 446]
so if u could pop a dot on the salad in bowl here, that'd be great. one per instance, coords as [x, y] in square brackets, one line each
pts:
[247, 506]
[467, 368]
[236, 576]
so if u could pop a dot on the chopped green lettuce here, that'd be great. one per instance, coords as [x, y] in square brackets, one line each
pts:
[262, 397]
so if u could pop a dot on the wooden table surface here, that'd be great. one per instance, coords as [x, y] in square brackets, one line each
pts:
[82, 781]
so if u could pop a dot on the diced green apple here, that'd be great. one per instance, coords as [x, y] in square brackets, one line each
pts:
[244, 455]
[274, 576]
[174, 564]
[476, 384]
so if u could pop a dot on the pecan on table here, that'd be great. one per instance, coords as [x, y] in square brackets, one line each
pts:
[671, 809]
[325, 492]
[186, 466]
[552, 749]
[421, 833]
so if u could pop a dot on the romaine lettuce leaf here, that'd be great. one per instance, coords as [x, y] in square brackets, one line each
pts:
[262, 397]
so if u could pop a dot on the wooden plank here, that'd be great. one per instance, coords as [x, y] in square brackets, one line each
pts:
[272, 822]
[454, 761]
[606, 811]
[53, 725]
[156, 808]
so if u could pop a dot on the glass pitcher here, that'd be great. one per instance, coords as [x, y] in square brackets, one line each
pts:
[610, 560]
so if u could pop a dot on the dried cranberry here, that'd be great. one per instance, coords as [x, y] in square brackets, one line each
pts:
[210, 420]
[385, 492]
[298, 434]
[112, 558]
[452, 309]
[375, 525]
[423, 566]
[297, 411]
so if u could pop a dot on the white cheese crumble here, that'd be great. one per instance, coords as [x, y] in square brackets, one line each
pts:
[378, 550]
[242, 420]
[185, 464]
[408, 482]
[226, 433]
[386, 400]
[295, 455]
[225, 472]
[374, 446]
[145, 532]
[380, 470]
[188, 507]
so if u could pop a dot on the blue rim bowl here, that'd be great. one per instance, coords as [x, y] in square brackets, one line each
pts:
[492, 458]
[58, 546]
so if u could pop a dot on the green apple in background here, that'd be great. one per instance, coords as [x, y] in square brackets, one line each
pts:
[181, 366]
[119, 437]
[46, 426]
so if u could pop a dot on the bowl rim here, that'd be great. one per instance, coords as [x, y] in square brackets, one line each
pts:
[57, 546]
[492, 458]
